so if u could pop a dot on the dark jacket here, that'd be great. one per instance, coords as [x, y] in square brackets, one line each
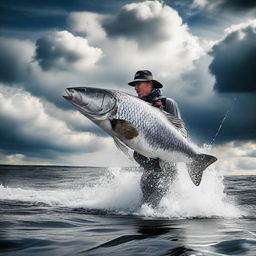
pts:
[172, 108]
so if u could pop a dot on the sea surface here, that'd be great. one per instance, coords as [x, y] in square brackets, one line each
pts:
[50, 210]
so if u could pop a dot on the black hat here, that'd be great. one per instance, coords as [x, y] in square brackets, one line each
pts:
[145, 76]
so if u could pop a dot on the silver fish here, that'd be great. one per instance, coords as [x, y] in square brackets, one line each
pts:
[135, 124]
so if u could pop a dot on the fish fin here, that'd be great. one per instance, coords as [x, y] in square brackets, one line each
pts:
[124, 129]
[198, 165]
[126, 150]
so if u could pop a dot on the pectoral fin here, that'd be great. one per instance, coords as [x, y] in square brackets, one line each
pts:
[126, 150]
[124, 129]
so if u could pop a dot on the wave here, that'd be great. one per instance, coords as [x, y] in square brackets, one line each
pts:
[118, 191]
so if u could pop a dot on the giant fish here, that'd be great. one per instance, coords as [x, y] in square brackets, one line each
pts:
[135, 124]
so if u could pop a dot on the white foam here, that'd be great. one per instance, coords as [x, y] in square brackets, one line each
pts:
[119, 190]
[185, 200]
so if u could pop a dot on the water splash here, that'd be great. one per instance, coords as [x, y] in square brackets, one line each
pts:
[118, 191]
[185, 200]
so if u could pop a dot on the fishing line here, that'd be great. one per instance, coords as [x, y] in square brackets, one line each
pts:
[223, 120]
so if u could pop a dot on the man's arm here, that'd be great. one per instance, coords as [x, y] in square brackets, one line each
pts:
[172, 107]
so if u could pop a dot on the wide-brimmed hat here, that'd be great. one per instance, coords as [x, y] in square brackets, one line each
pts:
[145, 76]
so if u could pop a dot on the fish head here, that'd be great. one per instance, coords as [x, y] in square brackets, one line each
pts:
[92, 102]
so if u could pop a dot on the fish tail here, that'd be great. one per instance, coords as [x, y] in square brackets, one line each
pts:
[198, 165]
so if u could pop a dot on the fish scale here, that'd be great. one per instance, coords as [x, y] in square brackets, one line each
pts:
[157, 131]
[143, 128]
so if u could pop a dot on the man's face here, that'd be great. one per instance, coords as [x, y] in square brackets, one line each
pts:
[143, 88]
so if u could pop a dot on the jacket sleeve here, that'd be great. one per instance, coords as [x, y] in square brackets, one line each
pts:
[172, 107]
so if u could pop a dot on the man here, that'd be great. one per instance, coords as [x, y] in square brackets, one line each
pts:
[157, 174]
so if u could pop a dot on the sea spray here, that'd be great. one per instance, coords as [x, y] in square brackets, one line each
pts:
[117, 190]
[184, 200]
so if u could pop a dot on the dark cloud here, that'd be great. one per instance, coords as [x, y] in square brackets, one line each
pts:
[60, 66]
[240, 124]
[38, 15]
[62, 50]
[19, 137]
[238, 4]
[209, 18]
[203, 109]
[48, 55]
[19, 69]
[31, 15]
[42, 15]
[229, 5]
[196, 115]
[147, 23]
[12, 61]
[203, 119]
[128, 24]
[14, 140]
[234, 63]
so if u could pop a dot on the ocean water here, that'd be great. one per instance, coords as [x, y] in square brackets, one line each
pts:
[97, 211]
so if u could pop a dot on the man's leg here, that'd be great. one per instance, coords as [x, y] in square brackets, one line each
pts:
[155, 180]
[155, 184]
[145, 162]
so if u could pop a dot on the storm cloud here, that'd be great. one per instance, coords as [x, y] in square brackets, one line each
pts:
[148, 22]
[239, 4]
[48, 46]
[234, 61]
[27, 128]
[155, 40]
[203, 108]
[15, 56]
[62, 50]
[37, 15]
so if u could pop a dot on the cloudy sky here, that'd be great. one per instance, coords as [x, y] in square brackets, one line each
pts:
[203, 51]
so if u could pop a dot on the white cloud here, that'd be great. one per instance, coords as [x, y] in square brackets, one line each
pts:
[146, 35]
[108, 156]
[29, 117]
[103, 60]
[234, 158]
[106, 54]
[88, 24]
[199, 3]
[74, 119]
[206, 4]
[33, 124]
[22, 159]
[19, 69]
[241, 26]
[15, 158]
[62, 50]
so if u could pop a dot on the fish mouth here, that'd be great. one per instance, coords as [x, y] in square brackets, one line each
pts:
[67, 97]
[69, 94]
[68, 91]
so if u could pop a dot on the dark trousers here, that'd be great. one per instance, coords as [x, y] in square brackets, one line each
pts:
[155, 181]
